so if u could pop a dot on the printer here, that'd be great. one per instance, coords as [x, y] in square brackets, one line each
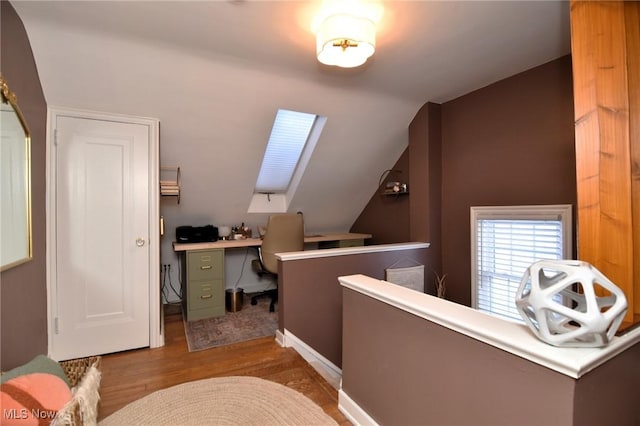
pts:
[196, 234]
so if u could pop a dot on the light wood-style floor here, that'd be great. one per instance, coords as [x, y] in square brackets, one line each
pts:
[128, 376]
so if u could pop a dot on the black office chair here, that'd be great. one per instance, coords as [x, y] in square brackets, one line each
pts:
[285, 232]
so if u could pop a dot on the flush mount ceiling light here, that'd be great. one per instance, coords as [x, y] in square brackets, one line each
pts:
[345, 40]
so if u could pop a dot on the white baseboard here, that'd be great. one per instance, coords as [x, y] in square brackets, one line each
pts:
[330, 372]
[280, 338]
[326, 368]
[352, 410]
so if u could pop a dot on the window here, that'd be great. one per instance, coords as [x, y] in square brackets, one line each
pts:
[292, 140]
[505, 241]
[289, 135]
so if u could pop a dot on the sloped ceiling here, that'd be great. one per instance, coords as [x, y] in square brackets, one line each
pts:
[215, 72]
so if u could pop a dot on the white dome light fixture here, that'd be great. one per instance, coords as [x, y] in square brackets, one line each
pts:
[345, 40]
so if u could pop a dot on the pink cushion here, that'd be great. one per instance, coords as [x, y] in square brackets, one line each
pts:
[32, 399]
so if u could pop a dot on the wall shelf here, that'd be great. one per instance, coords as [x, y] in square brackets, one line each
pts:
[392, 186]
[392, 192]
[170, 182]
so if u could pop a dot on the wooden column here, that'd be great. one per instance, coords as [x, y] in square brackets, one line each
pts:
[605, 37]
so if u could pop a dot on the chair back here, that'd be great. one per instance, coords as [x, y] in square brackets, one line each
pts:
[285, 232]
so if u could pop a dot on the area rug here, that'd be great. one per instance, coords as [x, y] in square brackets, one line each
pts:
[250, 322]
[222, 401]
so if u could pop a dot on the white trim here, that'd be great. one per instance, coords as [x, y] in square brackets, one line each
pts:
[509, 336]
[352, 411]
[268, 203]
[280, 338]
[540, 212]
[156, 312]
[347, 251]
[310, 355]
[305, 156]
[50, 219]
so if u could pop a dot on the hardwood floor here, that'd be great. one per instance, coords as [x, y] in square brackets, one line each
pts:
[128, 376]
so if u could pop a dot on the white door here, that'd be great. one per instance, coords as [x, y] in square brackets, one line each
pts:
[101, 258]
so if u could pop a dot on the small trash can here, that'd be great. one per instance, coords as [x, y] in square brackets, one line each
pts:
[233, 299]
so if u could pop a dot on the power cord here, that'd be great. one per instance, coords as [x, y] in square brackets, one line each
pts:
[166, 279]
[244, 261]
[177, 293]
[164, 285]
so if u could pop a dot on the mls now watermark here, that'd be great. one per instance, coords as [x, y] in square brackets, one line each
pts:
[23, 414]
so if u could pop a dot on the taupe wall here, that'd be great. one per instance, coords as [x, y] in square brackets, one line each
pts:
[509, 143]
[388, 215]
[608, 395]
[23, 295]
[311, 296]
[425, 163]
[404, 370]
[425, 198]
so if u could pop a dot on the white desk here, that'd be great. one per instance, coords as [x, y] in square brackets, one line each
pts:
[345, 239]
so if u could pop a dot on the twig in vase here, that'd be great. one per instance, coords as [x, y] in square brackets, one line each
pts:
[441, 285]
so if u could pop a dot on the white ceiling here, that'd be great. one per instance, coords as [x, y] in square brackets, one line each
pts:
[215, 72]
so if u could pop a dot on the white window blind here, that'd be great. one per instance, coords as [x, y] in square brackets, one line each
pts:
[506, 241]
[288, 138]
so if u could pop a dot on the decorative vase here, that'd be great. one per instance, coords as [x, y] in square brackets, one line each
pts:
[557, 300]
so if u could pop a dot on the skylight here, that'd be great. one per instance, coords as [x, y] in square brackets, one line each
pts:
[289, 135]
[292, 140]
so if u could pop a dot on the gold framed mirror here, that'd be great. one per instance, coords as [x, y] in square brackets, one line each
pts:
[15, 181]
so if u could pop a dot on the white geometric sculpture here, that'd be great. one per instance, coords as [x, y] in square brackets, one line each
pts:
[585, 319]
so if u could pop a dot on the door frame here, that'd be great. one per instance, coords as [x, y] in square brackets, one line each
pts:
[156, 317]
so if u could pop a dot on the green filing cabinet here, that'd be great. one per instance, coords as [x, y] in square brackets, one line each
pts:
[203, 283]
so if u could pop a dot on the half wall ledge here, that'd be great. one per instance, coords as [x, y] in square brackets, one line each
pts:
[348, 251]
[509, 336]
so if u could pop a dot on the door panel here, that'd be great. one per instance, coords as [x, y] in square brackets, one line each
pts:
[102, 237]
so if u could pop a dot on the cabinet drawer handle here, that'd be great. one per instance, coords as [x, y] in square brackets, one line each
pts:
[206, 296]
[206, 267]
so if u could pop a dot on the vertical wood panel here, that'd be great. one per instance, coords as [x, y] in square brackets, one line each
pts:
[632, 22]
[603, 140]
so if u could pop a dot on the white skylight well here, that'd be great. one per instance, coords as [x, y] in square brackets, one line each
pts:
[292, 140]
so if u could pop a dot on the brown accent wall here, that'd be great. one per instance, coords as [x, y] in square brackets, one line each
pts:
[508, 143]
[608, 395]
[425, 199]
[23, 294]
[414, 216]
[404, 370]
[388, 215]
[311, 297]
[511, 143]
[425, 138]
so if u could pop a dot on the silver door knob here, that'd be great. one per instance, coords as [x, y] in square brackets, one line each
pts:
[140, 242]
